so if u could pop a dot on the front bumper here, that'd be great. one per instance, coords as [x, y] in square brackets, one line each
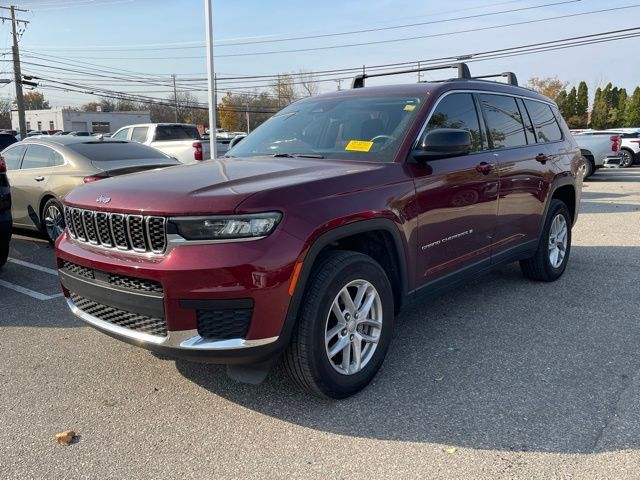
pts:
[193, 279]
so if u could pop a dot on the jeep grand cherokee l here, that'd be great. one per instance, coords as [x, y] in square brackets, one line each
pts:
[307, 240]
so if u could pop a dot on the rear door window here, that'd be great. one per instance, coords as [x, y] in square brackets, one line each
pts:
[139, 134]
[458, 110]
[504, 122]
[12, 156]
[547, 128]
[37, 156]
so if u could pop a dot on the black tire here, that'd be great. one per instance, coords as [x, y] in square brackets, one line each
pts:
[306, 358]
[52, 202]
[589, 166]
[4, 252]
[627, 158]
[539, 266]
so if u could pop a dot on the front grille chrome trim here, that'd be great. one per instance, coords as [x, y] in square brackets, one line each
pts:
[128, 233]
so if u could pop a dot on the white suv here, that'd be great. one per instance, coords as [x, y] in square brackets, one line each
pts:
[629, 146]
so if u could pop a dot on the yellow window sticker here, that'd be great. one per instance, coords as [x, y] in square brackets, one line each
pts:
[409, 108]
[359, 146]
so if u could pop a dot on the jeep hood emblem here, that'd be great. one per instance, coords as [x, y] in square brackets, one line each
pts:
[103, 199]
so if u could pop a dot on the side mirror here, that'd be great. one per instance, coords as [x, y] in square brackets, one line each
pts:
[236, 140]
[443, 143]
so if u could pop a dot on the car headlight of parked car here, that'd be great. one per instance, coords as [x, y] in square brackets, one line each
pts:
[225, 227]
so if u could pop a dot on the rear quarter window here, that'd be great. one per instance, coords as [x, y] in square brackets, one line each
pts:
[544, 122]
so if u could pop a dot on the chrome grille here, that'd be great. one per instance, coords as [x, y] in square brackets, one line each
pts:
[116, 230]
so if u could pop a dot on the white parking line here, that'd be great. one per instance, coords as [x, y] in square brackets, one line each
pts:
[26, 291]
[34, 266]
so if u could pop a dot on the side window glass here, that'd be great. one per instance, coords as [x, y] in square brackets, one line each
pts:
[12, 157]
[503, 121]
[528, 127]
[545, 123]
[122, 134]
[56, 159]
[139, 134]
[36, 156]
[458, 110]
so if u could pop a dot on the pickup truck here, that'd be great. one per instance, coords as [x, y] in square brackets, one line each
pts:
[599, 149]
[179, 140]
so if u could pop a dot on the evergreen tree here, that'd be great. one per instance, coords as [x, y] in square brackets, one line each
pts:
[561, 101]
[572, 103]
[621, 109]
[632, 117]
[599, 114]
[582, 105]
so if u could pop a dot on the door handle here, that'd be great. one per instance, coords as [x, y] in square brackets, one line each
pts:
[542, 158]
[39, 179]
[484, 167]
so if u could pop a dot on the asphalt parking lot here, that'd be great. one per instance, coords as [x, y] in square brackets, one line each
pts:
[504, 378]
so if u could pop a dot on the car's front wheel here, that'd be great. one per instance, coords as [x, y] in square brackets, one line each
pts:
[52, 220]
[344, 326]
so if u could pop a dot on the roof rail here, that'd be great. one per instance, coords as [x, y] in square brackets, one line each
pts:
[463, 72]
[510, 76]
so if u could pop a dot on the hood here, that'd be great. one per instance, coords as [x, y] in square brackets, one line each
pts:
[215, 186]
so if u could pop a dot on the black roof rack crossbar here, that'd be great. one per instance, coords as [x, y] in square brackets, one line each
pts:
[463, 72]
[510, 76]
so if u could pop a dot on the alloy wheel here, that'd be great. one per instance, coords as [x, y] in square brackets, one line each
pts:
[558, 240]
[627, 159]
[353, 327]
[54, 222]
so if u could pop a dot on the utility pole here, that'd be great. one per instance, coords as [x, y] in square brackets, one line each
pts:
[16, 66]
[419, 72]
[247, 114]
[175, 97]
[213, 99]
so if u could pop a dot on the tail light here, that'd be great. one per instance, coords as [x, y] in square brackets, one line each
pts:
[92, 178]
[3, 164]
[614, 145]
[197, 150]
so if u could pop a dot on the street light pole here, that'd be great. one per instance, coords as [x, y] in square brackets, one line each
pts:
[213, 101]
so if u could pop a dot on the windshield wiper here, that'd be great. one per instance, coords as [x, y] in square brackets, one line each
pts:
[298, 155]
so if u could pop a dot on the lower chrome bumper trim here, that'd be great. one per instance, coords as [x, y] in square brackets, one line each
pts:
[179, 339]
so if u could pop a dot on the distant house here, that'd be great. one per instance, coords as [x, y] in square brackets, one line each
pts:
[69, 120]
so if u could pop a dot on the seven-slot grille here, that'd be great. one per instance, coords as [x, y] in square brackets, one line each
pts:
[116, 230]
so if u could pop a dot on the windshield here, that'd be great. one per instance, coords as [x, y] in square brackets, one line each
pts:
[369, 128]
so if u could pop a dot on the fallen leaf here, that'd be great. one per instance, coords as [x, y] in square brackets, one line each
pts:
[451, 450]
[66, 437]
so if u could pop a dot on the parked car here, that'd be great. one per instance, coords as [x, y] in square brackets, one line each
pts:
[629, 146]
[6, 139]
[64, 132]
[5, 213]
[80, 134]
[329, 218]
[43, 170]
[37, 133]
[179, 140]
[599, 149]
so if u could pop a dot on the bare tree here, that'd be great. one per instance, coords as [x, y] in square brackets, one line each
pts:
[308, 83]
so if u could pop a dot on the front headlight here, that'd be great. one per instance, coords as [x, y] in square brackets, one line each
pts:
[225, 227]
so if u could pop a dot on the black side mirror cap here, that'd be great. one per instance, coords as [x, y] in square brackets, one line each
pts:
[443, 143]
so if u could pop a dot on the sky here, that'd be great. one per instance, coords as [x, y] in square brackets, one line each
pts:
[156, 39]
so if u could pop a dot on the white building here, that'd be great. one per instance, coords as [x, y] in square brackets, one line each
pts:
[67, 120]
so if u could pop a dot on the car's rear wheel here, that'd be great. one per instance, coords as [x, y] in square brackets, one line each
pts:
[552, 255]
[52, 220]
[627, 158]
[344, 326]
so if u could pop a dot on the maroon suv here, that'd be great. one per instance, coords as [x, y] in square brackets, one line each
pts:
[316, 229]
